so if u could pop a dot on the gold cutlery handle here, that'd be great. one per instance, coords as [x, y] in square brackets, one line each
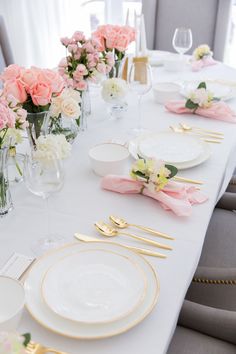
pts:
[188, 180]
[208, 131]
[51, 350]
[205, 134]
[153, 232]
[211, 141]
[85, 238]
[147, 240]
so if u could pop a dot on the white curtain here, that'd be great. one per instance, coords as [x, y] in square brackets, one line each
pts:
[35, 26]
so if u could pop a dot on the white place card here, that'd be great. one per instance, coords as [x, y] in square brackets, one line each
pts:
[16, 265]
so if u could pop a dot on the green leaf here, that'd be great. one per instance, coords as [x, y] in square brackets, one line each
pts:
[140, 174]
[27, 337]
[191, 105]
[141, 158]
[173, 171]
[202, 85]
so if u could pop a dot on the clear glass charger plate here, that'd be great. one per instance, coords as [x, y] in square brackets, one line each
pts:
[94, 286]
[219, 90]
[50, 320]
[183, 151]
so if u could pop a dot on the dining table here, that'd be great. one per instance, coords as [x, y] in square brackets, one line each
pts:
[82, 202]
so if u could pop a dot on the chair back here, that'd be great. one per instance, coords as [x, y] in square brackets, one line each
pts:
[208, 19]
[6, 56]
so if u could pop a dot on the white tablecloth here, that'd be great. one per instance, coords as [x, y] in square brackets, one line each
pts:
[82, 202]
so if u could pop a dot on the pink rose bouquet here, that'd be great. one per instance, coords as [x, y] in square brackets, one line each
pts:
[33, 88]
[113, 41]
[83, 61]
[12, 119]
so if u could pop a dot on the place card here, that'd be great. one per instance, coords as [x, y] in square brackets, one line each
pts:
[16, 265]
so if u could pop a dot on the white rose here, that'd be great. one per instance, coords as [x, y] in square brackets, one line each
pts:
[202, 97]
[55, 108]
[70, 108]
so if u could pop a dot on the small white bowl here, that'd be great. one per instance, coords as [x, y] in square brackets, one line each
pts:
[12, 301]
[108, 158]
[166, 91]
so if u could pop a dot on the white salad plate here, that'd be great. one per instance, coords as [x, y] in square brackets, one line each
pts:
[219, 90]
[52, 321]
[94, 286]
[181, 150]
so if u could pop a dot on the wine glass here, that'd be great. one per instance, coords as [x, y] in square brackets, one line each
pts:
[140, 81]
[182, 40]
[43, 178]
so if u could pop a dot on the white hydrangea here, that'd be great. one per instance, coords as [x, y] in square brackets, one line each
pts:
[202, 97]
[51, 147]
[202, 51]
[114, 89]
[67, 104]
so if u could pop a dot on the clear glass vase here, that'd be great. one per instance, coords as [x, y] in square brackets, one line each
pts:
[116, 71]
[85, 110]
[64, 125]
[37, 126]
[5, 196]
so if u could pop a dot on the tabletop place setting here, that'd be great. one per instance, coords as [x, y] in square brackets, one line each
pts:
[121, 216]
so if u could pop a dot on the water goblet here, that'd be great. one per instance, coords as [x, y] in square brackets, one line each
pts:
[44, 178]
[182, 40]
[140, 81]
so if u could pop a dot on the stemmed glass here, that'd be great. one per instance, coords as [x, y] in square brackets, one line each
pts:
[43, 178]
[140, 81]
[182, 40]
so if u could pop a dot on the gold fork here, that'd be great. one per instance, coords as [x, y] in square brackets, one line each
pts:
[36, 348]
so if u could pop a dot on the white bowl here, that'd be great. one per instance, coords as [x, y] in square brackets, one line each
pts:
[166, 91]
[174, 63]
[12, 300]
[108, 158]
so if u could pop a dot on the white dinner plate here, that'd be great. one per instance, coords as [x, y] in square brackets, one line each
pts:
[50, 320]
[219, 90]
[94, 286]
[185, 143]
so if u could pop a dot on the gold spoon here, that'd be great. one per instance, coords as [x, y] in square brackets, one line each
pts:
[188, 128]
[109, 231]
[122, 224]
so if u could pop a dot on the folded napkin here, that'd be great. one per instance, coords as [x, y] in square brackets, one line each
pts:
[175, 196]
[218, 110]
[201, 63]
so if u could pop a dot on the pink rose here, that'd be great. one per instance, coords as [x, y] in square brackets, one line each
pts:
[12, 72]
[41, 94]
[78, 36]
[101, 68]
[65, 41]
[28, 78]
[72, 48]
[16, 89]
[81, 85]
[51, 78]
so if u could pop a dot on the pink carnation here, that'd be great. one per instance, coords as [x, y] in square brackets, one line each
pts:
[65, 41]
[81, 85]
[7, 117]
[72, 48]
[78, 36]
[101, 68]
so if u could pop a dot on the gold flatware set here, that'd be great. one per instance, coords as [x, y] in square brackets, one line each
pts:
[205, 135]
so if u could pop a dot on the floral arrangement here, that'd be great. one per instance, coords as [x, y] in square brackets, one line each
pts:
[51, 147]
[202, 51]
[33, 88]
[114, 89]
[201, 97]
[114, 39]
[12, 120]
[83, 61]
[155, 173]
[13, 343]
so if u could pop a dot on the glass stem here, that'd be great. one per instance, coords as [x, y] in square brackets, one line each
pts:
[48, 216]
[139, 111]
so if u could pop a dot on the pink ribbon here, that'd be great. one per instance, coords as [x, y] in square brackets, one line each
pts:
[175, 196]
[218, 110]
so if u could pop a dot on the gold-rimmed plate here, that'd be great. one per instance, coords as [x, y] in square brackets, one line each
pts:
[50, 320]
[94, 286]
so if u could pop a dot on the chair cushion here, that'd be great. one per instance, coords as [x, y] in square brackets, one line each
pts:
[187, 341]
[219, 248]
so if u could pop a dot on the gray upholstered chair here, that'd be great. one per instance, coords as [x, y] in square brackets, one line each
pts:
[214, 283]
[6, 56]
[208, 19]
[204, 330]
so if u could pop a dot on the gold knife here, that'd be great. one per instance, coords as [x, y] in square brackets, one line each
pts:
[188, 180]
[86, 238]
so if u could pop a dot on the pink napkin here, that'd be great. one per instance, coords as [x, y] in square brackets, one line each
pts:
[177, 197]
[199, 64]
[218, 110]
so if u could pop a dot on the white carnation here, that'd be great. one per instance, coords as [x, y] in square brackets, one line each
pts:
[51, 147]
[114, 89]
